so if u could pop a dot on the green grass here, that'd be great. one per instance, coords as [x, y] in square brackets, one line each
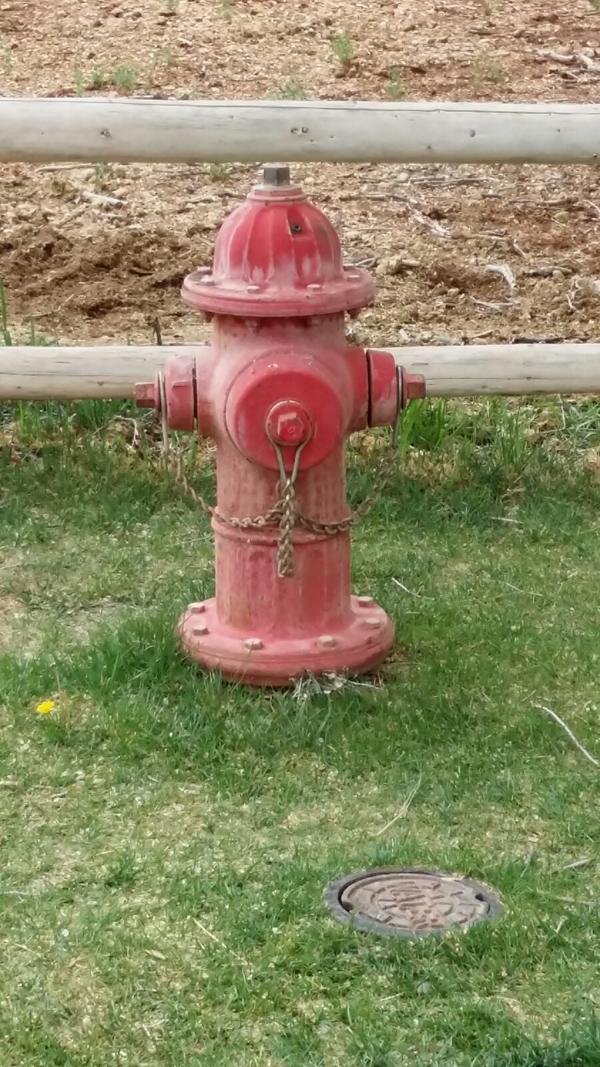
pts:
[343, 47]
[6, 58]
[219, 172]
[166, 838]
[124, 77]
[395, 87]
[485, 68]
[293, 89]
[165, 57]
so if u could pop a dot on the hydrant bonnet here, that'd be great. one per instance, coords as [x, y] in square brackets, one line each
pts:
[278, 256]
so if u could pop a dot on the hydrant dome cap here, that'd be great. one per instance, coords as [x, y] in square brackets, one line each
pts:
[278, 255]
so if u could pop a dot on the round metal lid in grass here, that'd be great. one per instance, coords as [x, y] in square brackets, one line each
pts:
[410, 902]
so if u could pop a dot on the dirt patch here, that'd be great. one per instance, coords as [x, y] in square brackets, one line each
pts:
[85, 271]
[25, 630]
[12, 618]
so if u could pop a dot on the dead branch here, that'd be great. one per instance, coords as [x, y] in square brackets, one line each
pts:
[569, 733]
[432, 224]
[404, 808]
[494, 305]
[504, 271]
[100, 199]
[573, 59]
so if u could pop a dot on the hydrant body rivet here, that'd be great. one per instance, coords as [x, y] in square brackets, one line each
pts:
[279, 391]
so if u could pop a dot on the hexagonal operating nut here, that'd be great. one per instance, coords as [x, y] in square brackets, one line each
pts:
[289, 429]
[276, 174]
[288, 423]
[413, 386]
[146, 395]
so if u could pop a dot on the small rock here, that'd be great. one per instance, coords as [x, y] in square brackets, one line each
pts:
[46, 239]
[393, 265]
[25, 212]
[198, 227]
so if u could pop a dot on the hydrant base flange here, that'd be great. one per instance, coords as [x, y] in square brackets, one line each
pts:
[359, 646]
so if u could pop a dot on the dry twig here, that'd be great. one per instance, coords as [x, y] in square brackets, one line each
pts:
[441, 181]
[548, 271]
[436, 228]
[410, 591]
[52, 168]
[504, 271]
[494, 305]
[583, 862]
[593, 207]
[403, 810]
[217, 941]
[569, 733]
[101, 199]
[573, 59]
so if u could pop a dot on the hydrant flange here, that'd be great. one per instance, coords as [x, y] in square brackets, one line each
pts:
[277, 659]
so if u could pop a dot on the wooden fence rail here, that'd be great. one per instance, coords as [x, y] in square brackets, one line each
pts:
[30, 373]
[171, 131]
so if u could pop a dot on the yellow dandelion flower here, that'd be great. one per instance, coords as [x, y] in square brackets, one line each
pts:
[46, 707]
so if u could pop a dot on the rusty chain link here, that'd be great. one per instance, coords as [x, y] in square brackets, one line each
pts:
[285, 548]
[285, 513]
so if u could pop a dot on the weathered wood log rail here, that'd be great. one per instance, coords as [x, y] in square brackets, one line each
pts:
[29, 373]
[173, 131]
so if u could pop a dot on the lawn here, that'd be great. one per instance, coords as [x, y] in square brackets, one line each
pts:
[166, 838]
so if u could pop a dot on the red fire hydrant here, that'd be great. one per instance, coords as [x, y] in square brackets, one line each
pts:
[279, 392]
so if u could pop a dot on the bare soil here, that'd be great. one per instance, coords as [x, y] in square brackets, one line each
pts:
[84, 271]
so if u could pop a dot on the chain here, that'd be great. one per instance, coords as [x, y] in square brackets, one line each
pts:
[284, 513]
[285, 548]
